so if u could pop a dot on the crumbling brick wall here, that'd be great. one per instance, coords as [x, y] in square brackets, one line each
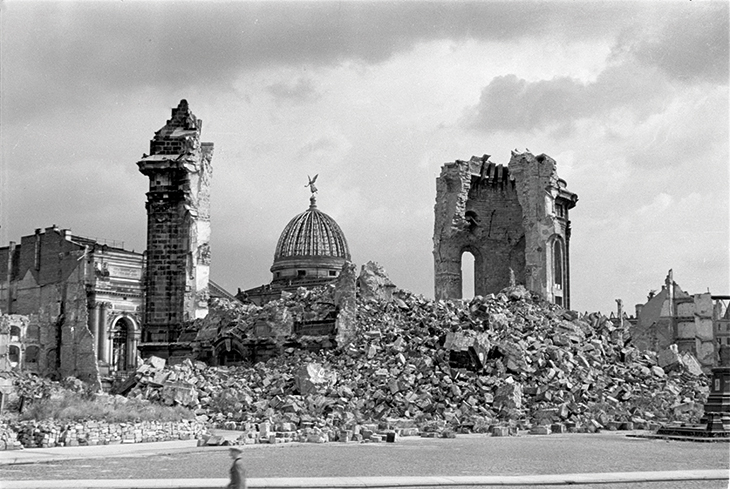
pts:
[46, 282]
[510, 219]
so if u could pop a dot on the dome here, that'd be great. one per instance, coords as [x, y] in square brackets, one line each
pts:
[312, 245]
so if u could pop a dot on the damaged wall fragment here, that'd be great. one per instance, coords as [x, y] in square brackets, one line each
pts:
[513, 220]
[178, 230]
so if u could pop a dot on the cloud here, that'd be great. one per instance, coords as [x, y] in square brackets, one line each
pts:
[509, 103]
[59, 54]
[693, 46]
[683, 43]
[330, 146]
[301, 91]
[660, 203]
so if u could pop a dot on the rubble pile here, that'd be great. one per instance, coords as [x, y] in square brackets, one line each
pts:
[507, 361]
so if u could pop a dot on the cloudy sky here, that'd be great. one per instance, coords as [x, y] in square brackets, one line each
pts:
[630, 98]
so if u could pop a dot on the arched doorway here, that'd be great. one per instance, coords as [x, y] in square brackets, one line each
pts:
[468, 267]
[228, 351]
[122, 337]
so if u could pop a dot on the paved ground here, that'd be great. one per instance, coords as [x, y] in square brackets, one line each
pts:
[411, 456]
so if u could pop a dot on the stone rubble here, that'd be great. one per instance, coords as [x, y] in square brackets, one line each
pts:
[493, 364]
[410, 366]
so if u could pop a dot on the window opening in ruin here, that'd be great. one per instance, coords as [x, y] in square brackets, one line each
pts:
[14, 355]
[33, 332]
[119, 345]
[467, 275]
[558, 263]
[472, 218]
[14, 333]
[232, 357]
[301, 273]
[333, 273]
[31, 354]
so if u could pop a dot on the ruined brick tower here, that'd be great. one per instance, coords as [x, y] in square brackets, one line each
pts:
[513, 218]
[178, 231]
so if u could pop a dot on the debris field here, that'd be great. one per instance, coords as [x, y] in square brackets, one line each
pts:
[494, 364]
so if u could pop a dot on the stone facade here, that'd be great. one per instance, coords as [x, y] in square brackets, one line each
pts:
[513, 220]
[81, 300]
[696, 323]
[178, 230]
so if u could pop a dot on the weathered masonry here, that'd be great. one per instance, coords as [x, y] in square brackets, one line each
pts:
[178, 231]
[513, 220]
[73, 305]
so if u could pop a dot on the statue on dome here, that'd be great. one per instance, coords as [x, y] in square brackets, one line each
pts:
[311, 186]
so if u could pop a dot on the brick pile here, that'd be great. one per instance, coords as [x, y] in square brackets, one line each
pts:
[497, 363]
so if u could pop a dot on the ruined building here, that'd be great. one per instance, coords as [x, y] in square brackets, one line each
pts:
[513, 220]
[87, 307]
[74, 304]
[310, 252]
[178, 231]
[696, 323]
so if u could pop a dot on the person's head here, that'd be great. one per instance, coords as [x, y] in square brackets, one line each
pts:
[235, 452]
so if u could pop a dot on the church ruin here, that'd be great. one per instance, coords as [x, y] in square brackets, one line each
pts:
[513, 220]
[178, 231]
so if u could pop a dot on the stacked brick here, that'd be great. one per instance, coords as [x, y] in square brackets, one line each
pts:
[49, 433]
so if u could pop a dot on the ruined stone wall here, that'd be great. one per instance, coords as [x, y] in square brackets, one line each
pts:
[538, 189]
[674, 317]
[510, 219]
[47, 284]
[480, 215]
[178, 226]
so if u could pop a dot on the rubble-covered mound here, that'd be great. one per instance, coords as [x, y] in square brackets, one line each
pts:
[508, 359]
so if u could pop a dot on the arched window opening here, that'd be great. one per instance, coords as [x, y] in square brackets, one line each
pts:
[14, 333]
[119, 345]
[472, 218]
[558, 263]
[31, 354]
[232, 357]
[228, 353]
[33, 332]
[467, 275]
[14, 355]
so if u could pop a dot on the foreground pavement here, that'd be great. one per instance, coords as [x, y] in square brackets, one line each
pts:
[644, 477]
[43, 455]
[384, 482]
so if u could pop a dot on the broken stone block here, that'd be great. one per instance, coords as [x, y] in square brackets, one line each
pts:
[508, 396]
[668, 358]
[690, 364]
[374, 283]
[540, 430]
[156, 363]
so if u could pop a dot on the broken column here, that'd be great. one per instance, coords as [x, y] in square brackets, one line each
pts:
[178, 229]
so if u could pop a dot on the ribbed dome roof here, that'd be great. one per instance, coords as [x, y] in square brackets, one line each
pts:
[312, 233]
